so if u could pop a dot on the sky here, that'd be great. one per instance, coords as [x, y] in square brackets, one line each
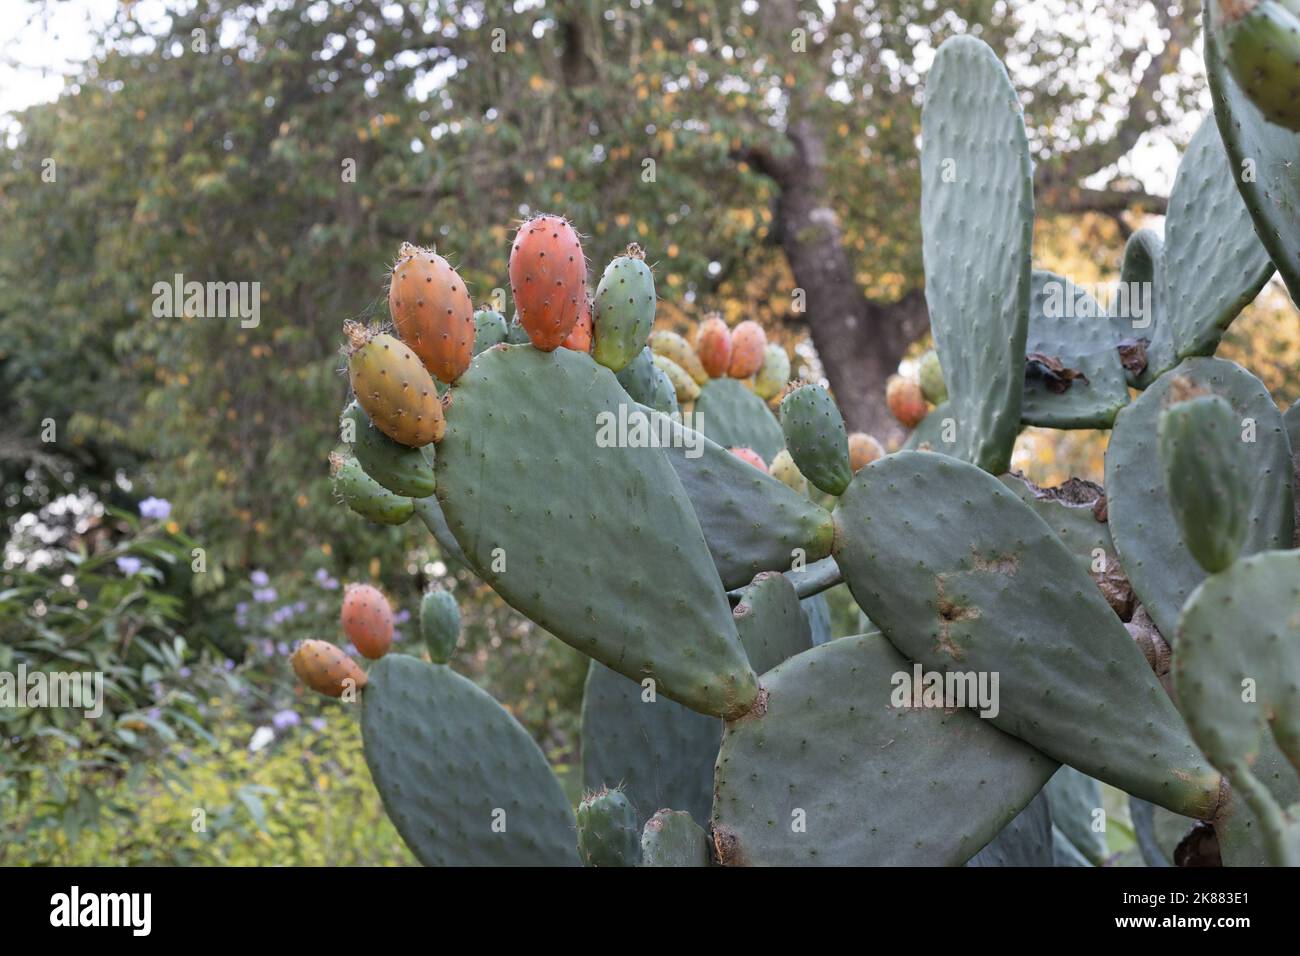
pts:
[41, 43]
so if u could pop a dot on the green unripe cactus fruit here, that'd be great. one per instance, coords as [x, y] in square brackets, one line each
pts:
[816, 439]
[684, 386]
[784, 470]
[773, 374]
[366, 496]
[490, 329]
[672, 838]
[402, 470]
[931, 374]
[1209, 490]
[516, 334]
[439, 625]
[672, 346]
[607, 831]
[625, 309]
[1260, 42]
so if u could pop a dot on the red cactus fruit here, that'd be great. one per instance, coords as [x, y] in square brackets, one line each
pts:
[324, 667]
[751, 456]
[579, 338]
[713, 345]
[906, 400]
[367, 620]
[863, 450]
[748, 342]
[548, 279]
[432, 311]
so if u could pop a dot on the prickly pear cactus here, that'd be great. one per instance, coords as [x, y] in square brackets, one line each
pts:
[548, 513]
[659, 752]
[608, 834]
[1236, 669]
[625, 310]
[816, 438]
[672, 838]
[957, 571]
[402, 470]
[928, 787]
[439, 625]
[463, 783]
[977, 220]
[733, 416]
[1162, 570]
[366, 496]
[1267, 151]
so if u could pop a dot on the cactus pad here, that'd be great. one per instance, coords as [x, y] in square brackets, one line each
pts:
[1159, 566]
[1075, 799]
[831, 773]
[439, 625]
[816, 438]
[463, 783]
[1025, 841]
[1073, 377]
[751, 521]
[770, 622]
[659, 752]
[733, 416]
[608, 834]
[672, 838]
[624, 310]
[961, 575]
[1272, 193]
[977, 219]
[599, 545]
[1237, 670]
[402, 470]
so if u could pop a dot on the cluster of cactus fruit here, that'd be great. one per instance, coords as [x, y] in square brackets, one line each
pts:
[1146, 635]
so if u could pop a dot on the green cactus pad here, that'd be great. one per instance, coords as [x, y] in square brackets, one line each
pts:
[489, 329]
[1025, 841]
[1138, 314]
[930, 372]
[516, 334]
[961, 575]
[1291, 420]
[1075, 799]
[815, 436]
[402, 470]
[430, 512]
[1151, 548]
[672, 838]
[624, 310]
[439, 625]
[608, 834]
[1242, 841]
[933, 432]
[1073, 376]
[1214, 262]
[366, 496]
[977, 223]
[1064, 853]
[1208, 487]
[735, 417]
[648, 384]
[599, 545]
[818, 614]
[463, 783]
[659, 752]
[877, 785]
[770, 622]
[1272, 193]
[1259, 41]
[1236, 669]
[751, 521]
[1071, 510]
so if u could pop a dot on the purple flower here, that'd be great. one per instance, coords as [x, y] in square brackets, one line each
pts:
[228, 664]
[285, 719]
[158, 508]
[318, 724]
[185, 672]
[402, 616]
[264, 595]
[283, 648]
[324, 580]
[154, 713]
[266, 647]
[397, 635]
[129, 565]
[260, 579]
